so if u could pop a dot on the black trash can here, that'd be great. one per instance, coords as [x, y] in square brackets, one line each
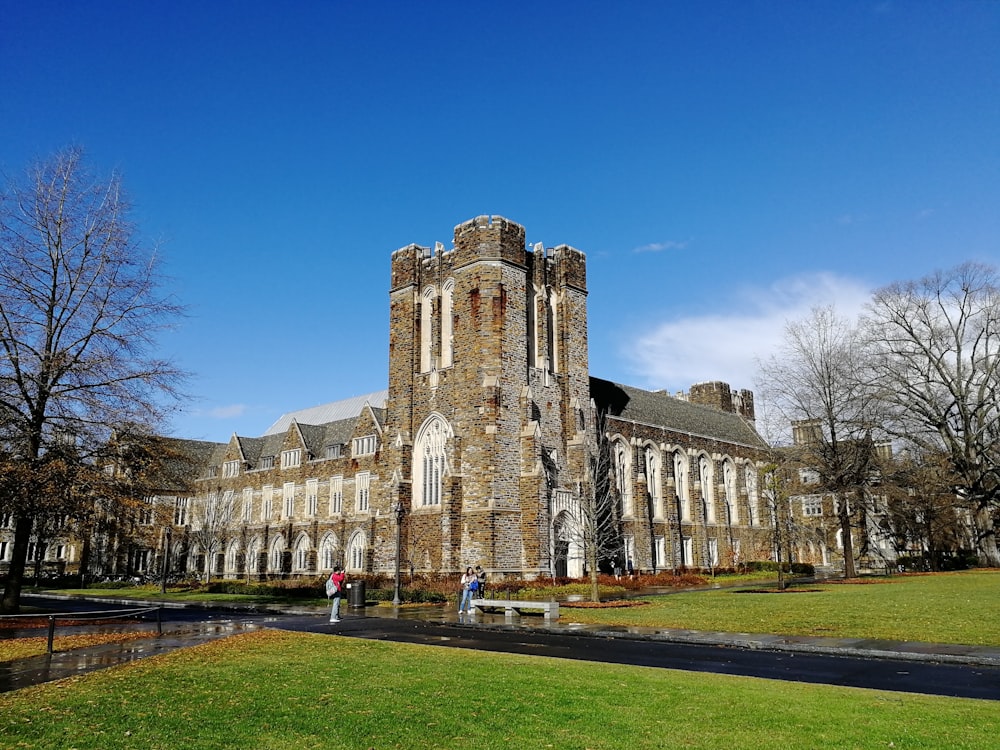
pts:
[356, 594]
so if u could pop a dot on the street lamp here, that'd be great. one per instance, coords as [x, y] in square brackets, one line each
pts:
[166, 560]
[400, 511]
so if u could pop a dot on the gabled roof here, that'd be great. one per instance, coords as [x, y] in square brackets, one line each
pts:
[659, 409]
[185, 460]
[333, 412]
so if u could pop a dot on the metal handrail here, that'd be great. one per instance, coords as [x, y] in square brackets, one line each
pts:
[101, 614]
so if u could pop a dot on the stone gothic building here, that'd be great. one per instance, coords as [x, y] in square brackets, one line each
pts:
[481, 445]
[486, 448]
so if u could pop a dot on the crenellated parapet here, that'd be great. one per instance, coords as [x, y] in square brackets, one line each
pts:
[489, 238]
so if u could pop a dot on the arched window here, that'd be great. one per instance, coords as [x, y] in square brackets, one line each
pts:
[729, 487]
[447, 305]
[534, 356]
[426, 329]
[356, 553]
[277, 554]
[429, 461]
[623, 478]
[753, 508]
[328, 551]
[654, 484]
[301, 555]
[253, 555]
[681, 485]
[553, 332]
[233, 557]
[706, 477]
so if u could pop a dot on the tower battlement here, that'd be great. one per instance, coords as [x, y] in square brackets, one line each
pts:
[489, 238]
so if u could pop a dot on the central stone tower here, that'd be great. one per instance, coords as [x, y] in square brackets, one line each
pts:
[488, 395]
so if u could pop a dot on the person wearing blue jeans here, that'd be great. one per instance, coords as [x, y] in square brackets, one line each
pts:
[465, 602]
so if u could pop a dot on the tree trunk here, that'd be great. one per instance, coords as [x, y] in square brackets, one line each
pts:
[844, 516]
[986, 540]
[19, 558]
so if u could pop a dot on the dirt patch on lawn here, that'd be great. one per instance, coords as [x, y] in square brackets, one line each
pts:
[616, 604]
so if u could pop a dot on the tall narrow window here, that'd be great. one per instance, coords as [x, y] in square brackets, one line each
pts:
[426, 330]
[266, 503]
[247, 504]
[535, 357]
[623, 479]
[429, 461]
[705, 476]
[752, 500]
[312, 496]
[729, 486]
[336, 495]
[362, 481]
[447, 333]
[553, 332]
[681, 484]
[653, 483]
[288, 495]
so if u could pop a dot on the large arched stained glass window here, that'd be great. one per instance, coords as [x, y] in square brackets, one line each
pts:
[429, 459]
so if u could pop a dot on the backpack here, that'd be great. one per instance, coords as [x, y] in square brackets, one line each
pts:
[473, 585]
[331, 587]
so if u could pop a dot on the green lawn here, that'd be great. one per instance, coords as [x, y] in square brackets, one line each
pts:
[946, 608]
[274, 689]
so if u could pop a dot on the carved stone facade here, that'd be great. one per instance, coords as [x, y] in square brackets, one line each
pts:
[482, 443]
[481, 440]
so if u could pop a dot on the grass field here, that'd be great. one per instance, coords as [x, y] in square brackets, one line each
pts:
[275, 689]
[944, 608]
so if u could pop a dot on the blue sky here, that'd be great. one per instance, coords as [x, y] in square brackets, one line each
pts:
[724, 165]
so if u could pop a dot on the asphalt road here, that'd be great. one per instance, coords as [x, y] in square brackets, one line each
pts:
[879, 674]
[926, 677]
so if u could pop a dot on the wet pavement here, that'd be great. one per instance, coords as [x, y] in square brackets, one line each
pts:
[941, 669]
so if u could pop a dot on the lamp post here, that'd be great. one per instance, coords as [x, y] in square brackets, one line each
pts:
[400, 510]
[166, 560]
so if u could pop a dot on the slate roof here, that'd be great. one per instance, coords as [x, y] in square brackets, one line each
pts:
[332, 412]
[660, 409]
[184, 461]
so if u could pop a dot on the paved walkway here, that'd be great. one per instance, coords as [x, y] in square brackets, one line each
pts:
[190, 629]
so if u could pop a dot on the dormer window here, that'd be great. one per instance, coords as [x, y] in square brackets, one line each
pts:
[291, 459]
[267, 462]
[364, 446]
[231, 469]
[334, 451]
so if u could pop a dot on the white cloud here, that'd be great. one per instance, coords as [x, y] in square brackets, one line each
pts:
[726, 345]
[227, 412]
[659, 247]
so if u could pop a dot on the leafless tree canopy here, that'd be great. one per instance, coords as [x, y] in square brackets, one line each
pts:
[936, 346]
[79, 310]
[818, 383]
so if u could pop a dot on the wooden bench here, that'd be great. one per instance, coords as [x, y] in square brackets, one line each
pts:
[510, 606]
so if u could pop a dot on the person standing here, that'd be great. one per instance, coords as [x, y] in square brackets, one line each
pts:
[337, 581]
[465, 602]
[481, 578]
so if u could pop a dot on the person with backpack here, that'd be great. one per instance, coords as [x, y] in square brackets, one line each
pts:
[334, 587]
[468, 580]
[481, 580]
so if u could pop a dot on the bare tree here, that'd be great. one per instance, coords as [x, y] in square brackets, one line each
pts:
[79, 310]
[922, 516]
[936, 345]
[592, 523]
[210, 526]
[817, 383]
